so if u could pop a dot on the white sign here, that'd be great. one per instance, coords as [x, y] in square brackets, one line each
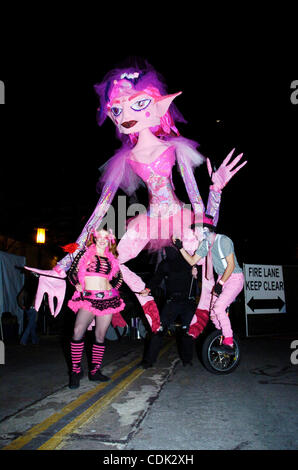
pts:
[264, 289]
[2, 94]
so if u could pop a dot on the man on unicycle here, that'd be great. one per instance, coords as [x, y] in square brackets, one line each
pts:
[220, 255]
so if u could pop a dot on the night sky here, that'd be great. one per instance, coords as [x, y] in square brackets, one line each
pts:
[51, 146]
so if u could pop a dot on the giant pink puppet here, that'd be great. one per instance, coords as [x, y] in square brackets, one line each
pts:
[144, 114]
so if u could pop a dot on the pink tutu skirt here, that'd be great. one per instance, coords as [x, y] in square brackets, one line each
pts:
[97, 302]
[160, 230]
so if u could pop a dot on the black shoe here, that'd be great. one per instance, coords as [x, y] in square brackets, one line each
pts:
[98, 377]
[74, 380]
[224, 349]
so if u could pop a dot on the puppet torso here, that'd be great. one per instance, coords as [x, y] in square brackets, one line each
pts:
[158, 177]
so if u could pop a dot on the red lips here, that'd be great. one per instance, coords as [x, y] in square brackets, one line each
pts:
[128, 124]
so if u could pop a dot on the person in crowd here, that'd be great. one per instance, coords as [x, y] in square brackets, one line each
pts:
[26, 300]
[181, 289]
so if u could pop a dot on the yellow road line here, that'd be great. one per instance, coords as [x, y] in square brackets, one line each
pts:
[84, 416]
[97, 408]
[38, 428]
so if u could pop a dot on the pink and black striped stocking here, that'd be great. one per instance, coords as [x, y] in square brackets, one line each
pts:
[98, 350]
[76, 351]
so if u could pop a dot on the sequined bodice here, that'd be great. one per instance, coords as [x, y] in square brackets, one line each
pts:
[158, 177]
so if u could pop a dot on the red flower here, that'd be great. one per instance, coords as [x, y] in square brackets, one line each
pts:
[70, 248]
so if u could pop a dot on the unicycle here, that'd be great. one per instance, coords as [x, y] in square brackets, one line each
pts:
[215, 361]
[218, 362]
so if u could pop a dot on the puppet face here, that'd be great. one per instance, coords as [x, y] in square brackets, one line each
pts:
[132, 111]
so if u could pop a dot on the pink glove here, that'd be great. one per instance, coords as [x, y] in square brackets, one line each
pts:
[224, 173]
[51, 282]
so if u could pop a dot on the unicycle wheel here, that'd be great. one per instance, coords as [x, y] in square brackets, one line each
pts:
[218, 362]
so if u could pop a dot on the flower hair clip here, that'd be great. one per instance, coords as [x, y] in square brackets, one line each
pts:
[130, 76]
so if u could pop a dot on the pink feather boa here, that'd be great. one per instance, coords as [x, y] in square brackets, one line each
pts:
[88, 256]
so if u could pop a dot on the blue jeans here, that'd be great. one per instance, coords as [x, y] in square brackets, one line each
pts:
[31, 327]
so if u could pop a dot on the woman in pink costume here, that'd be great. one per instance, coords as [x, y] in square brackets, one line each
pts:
[137, 102]
[96, 275]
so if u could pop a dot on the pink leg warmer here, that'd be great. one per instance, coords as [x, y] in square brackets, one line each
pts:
[98, 350]
[76, 351]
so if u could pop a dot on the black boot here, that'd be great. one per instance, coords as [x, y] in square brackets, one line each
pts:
[185, 344]
[74, 380]
[152, 350]
[97, 376]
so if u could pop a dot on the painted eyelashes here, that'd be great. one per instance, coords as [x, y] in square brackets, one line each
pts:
[137, 106]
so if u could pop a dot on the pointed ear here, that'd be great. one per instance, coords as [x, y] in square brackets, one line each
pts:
[163, 103]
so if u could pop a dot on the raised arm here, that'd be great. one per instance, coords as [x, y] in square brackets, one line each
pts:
[192, 260]
[219, 179]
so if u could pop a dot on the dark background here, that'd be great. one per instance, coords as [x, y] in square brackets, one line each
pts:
[51, 145]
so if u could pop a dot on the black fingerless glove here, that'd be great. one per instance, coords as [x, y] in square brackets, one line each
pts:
[178, 244]
[217, 289]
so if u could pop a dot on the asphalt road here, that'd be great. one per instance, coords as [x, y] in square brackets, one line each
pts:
[165, 408]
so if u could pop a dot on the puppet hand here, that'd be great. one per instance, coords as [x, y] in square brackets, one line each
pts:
[54, 286]
[225, 172]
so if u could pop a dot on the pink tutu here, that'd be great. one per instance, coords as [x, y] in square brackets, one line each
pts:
[160, 230]
[97, 302]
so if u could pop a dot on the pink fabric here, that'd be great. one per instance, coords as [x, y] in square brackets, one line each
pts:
[135, 283]
[200, 320]
[98, 351]
[231, 288]
[76, 305]
[76, 351]
[204, 302]
[228, 341]
[89, 256]
[152, 315]
[162, 165]
[118, 320]
[157, 232]
[52, 283]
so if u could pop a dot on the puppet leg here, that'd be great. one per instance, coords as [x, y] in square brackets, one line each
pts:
[130, 245]
[201, 316]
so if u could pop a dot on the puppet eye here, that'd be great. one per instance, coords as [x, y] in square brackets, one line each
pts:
[140, 105]
[116, 111]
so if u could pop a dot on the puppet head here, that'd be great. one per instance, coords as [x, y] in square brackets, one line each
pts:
[136, 98]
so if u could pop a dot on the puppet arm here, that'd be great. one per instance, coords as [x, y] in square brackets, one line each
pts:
[52, 282]
[99, 212]
[219, 179]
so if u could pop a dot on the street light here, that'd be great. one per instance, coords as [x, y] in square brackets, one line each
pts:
[41, 235]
